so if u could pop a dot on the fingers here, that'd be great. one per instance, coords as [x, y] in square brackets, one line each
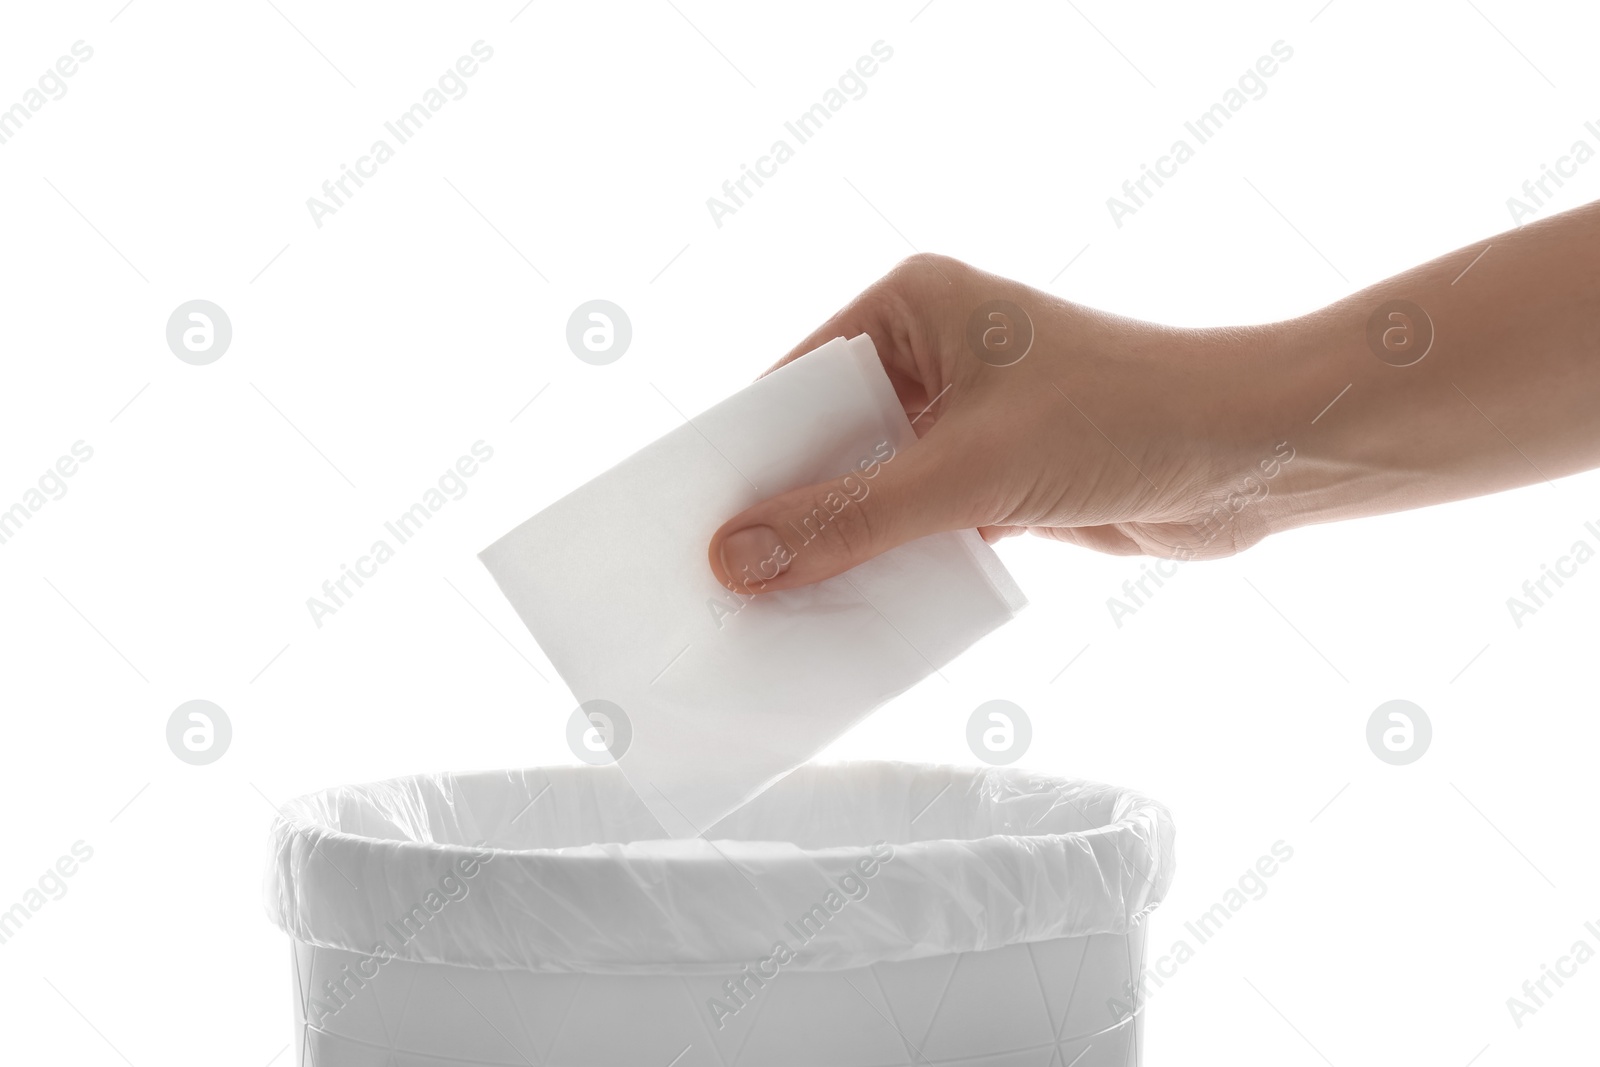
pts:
[822, 530]
[1107, 539]
[991, 534]
[893, 311]
[848, 321]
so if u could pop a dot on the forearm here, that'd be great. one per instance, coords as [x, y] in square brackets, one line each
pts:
[1506, 394]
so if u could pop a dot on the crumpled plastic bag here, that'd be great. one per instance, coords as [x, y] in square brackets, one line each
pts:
[560, 869]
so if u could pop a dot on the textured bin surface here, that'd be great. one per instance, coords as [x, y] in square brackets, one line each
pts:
[1049, 1004]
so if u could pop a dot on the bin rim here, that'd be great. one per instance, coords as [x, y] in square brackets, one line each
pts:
[657, 905]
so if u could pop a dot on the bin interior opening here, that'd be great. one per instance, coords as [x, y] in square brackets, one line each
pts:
[816, 806]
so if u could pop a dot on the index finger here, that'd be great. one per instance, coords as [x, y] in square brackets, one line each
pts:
[848, 321]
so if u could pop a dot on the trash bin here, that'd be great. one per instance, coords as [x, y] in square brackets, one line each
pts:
[854, 915]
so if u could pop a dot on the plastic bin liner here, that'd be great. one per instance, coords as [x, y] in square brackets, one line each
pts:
[614, 583]
[557, 870]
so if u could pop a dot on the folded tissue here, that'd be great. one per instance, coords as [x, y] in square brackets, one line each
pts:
[704, 696]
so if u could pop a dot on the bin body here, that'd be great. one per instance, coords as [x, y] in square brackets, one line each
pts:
[1005, 1007]
[931, 949]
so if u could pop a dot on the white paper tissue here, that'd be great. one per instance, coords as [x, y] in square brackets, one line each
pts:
[726, 694]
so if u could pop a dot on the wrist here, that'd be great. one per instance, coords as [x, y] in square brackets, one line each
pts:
[1266, 469]
[1314, 390]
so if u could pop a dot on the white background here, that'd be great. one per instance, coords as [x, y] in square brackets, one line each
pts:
[425, 314]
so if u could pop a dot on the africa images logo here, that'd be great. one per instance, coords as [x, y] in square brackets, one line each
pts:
[741, 991]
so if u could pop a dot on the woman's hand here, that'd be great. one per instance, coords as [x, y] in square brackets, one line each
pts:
[1470, 374]
[1032, 414]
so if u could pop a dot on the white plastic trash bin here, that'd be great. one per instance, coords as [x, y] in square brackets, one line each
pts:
[854, 915]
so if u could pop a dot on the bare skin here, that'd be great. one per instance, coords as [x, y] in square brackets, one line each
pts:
[1129, 437]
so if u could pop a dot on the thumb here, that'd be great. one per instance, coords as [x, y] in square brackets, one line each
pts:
[816, 532]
